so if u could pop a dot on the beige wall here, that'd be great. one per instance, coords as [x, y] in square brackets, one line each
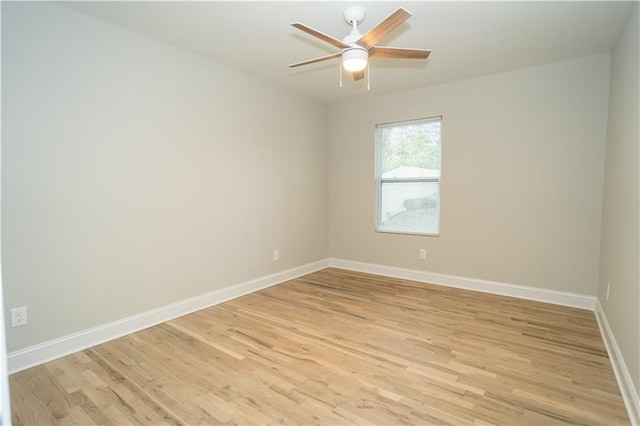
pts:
[522, 175]
[136, 175]
[620, 253]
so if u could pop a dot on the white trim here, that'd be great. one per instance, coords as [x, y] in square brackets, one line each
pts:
[627, 388]
[52, 349]
[513, 290]
[406, 231]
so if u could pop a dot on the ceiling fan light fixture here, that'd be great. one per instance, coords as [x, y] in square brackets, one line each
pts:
[355, 59]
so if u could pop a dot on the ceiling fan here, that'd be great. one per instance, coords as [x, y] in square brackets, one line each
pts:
[357, 49]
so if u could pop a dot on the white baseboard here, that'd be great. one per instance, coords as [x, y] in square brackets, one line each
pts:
[627, 388]
[47, 351]
[513, 290]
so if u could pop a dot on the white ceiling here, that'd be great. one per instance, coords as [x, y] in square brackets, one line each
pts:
[467, 39]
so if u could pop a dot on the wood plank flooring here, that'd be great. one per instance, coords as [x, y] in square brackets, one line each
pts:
[334, 348]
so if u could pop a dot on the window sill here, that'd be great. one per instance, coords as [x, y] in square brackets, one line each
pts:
[426, 233]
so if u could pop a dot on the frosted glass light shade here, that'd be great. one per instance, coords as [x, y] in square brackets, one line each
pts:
[355, 59]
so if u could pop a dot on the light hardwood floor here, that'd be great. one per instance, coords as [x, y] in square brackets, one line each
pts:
[338, 347]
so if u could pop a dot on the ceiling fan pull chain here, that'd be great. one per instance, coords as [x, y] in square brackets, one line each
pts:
[368, 75]
[340, 66]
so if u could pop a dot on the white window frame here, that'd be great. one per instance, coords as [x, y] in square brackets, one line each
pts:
[379, 181]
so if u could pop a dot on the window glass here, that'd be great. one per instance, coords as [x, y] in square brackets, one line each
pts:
[408, 158]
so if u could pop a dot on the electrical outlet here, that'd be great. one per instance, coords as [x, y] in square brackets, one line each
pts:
[276, 254]
[423, 253]
[19, 316]
[608, 290]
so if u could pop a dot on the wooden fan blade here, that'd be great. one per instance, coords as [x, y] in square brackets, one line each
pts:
[312, 61]
[321, 36]
[380, 31]
[398, 52]
[358, 75]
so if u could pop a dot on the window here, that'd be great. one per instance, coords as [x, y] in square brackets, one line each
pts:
[408, 176]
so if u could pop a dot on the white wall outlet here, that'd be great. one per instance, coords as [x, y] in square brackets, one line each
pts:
[276, 254]
[19, 316]
[423, 253]
[608, 290]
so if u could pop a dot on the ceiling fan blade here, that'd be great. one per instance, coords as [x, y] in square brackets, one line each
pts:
[380, 31]
[358, 75]
[398, 52]
[312, 61]
[321, 36]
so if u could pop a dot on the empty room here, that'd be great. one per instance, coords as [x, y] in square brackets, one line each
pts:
[320, 213]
